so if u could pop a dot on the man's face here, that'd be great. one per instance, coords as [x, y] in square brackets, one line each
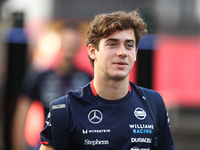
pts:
[116, 55]
[70, 40]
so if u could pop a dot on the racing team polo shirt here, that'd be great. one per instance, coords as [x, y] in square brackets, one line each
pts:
[100, 124]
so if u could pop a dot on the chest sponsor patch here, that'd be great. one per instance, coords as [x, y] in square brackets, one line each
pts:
[141, 140]
[95, 116]
[142, 128]
[96, 142]
[87, 131]
[140, 113]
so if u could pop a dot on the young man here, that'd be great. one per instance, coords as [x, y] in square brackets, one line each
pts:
[110, 112]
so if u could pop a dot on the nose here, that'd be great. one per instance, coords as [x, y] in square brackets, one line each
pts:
[122, 52]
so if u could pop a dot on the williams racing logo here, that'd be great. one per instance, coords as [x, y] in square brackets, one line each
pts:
[140, 113]
[142, 128]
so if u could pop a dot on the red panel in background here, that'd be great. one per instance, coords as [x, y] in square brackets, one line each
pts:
[34, 123]
[82, 61]
[177, 70]
[133, 74]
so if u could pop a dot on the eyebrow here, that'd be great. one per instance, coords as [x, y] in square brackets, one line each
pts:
[113, 39]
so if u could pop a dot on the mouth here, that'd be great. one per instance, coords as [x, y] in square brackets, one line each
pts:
[120, 64]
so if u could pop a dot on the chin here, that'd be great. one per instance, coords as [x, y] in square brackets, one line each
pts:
[118, 77]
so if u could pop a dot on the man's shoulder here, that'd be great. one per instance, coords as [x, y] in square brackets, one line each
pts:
[139, 88]
[79, 92]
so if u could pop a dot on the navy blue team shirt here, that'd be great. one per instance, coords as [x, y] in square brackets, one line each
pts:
[97, 123]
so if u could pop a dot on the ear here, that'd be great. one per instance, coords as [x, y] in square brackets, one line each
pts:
[91, 51]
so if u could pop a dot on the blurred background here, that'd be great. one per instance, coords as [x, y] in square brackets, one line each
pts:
[32, 40]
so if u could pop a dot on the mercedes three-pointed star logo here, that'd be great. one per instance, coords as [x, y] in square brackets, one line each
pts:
[95, 116]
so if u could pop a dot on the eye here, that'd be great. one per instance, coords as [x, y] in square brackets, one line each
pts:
[130, 46]
[111, 44]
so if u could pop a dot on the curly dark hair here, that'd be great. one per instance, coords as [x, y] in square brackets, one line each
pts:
[106, 24]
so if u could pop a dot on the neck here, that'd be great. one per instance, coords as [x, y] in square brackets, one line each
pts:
[111, 89]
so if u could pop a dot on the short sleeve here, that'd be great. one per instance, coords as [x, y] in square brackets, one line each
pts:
[46, 134]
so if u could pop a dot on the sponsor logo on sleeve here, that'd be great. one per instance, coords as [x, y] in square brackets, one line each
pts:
[48, 121]
[168, 120]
